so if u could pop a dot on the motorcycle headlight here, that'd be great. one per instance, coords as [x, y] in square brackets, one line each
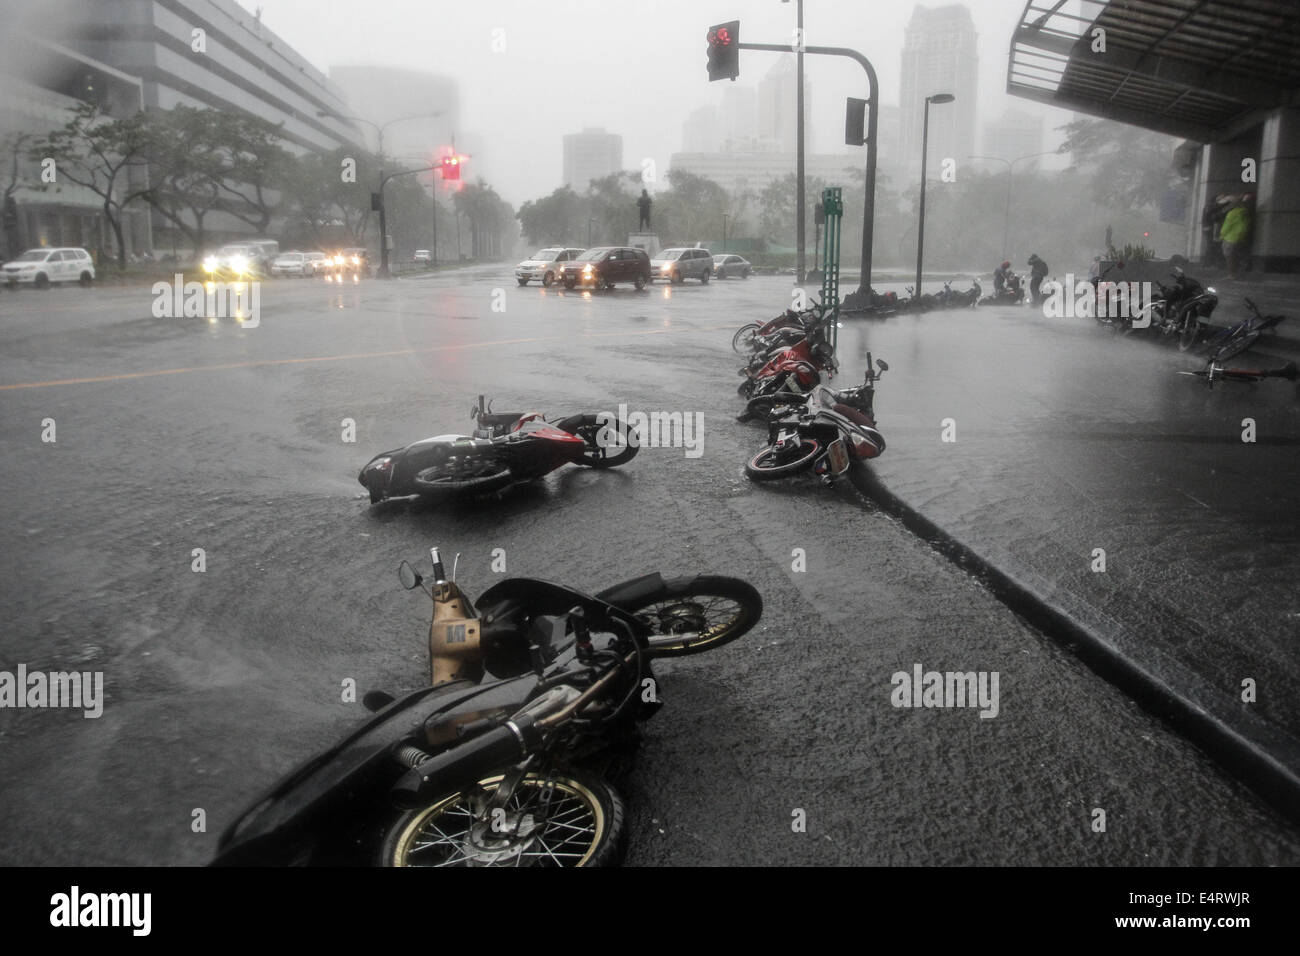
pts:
[210, 264]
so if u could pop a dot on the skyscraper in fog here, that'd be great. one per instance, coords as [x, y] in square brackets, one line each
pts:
[591, 154]
[776, 106]
[939, 56]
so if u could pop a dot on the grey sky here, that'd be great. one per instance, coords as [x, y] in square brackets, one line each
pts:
[634, 68]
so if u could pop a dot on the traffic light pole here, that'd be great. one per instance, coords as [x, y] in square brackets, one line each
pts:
[873, 101]
[383, 215]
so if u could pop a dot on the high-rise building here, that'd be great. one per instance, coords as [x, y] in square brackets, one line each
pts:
[1014, 135]
[702, 131]
[739, 116]
[777, 106]
[939, 56]
[591, 154]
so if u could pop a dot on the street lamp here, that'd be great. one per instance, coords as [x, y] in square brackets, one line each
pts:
[383, 213]
[798, 161]
[925, 143]
[1011, 165]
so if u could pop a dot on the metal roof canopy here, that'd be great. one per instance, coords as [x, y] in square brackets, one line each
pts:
[1190, 68]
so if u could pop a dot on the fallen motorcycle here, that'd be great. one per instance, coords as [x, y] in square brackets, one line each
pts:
[1013, 293]
[794, 369]
[826, 436]
[505, 758]
[506, 449]
[776, 407]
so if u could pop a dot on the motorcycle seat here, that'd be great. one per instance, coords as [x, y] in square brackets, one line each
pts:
[854, 415]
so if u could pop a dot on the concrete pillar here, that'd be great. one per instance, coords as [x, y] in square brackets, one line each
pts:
[1276, 245]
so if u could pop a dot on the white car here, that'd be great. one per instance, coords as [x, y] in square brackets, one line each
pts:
[42, 267]
[422, 255]
[290, 264]
[678, 265]
[545, 264]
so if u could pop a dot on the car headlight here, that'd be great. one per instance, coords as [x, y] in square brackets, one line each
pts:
[238, 263]
[210, 264]
[586, 270]
[356, 260]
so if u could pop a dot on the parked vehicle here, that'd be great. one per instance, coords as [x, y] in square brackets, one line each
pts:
[1238, 338]
[757, 336]
[827, 435]
[504, 760]
[422, 256]
[505, 449]
[604, 266]
[773, 408]
[1012, 294]
[545, 265]
[44, 267]
[317, 263]
[792, 370]
[1178, 310]
[678, 265]
[727, 266]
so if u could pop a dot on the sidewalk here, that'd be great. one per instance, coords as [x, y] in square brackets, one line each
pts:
[1070, 444]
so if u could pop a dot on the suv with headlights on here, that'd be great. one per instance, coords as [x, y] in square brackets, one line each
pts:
[678, 265]
[604, 266]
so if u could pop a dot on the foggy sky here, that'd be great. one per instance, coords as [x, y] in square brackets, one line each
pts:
[635, 68]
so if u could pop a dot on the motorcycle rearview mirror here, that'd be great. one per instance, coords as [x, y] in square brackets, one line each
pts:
[882, 365]
[409, 577]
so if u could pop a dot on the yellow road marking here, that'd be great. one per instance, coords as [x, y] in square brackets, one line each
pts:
[259, 363]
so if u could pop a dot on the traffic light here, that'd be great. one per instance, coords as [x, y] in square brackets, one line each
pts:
[855, 122]
[724, 51]
[450, 167]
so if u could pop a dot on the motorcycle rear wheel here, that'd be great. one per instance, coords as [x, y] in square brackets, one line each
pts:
[588, 428]
[693, 615]
[585, 826]
[493, 477]
[764, 466]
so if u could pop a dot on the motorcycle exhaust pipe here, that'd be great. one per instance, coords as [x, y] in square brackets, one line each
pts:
[462, 766]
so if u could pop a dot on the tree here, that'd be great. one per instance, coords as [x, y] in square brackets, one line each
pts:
[98, 153]
[13, 152]
[559, 218]
[1127, 166]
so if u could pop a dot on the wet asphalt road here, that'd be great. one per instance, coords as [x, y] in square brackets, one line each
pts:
[176, 434]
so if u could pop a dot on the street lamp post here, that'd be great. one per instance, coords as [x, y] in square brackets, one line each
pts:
[925, 143]
[800, 233]
[724, 232]
[383, 216]
[1011, 165]
[589, 222]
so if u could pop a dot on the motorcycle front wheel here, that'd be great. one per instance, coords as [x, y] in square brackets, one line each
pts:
[1190, 330]
[743, 340]
[766, 466]
[581, 823]
[693, 615]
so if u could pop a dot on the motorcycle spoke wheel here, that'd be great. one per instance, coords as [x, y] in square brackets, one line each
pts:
[769, 465]
[583, 824]
[693, 615]
[742, 342]
[1189, 333]
[443, 481]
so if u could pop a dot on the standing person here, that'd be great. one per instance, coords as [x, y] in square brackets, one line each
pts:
[643, 204]
[1036, 277]
[1235, 233]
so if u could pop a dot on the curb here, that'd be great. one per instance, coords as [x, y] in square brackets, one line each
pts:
[1261, 756]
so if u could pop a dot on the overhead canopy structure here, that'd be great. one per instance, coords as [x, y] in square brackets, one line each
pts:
[1199, 69]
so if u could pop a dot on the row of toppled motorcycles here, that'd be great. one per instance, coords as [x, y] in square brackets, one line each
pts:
[810, 426]
[511, 753]
[1180, 312]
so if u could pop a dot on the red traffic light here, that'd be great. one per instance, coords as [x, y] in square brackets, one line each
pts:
[724, 50]
[451, 167]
